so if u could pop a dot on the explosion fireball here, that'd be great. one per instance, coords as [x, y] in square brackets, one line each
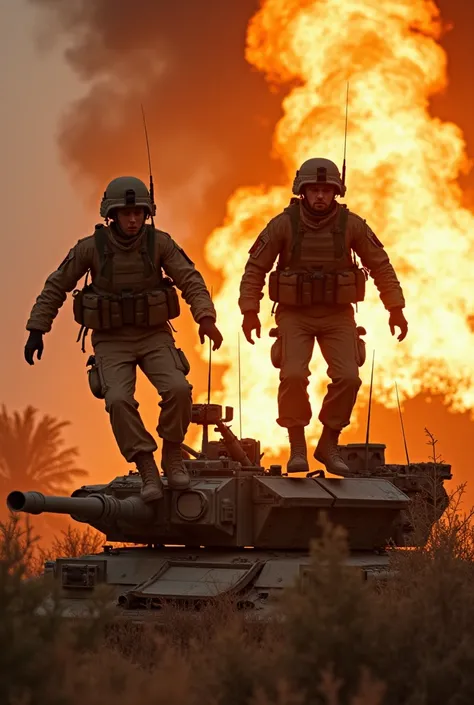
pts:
[403, 166]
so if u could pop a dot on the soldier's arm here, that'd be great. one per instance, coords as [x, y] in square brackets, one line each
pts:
[263, 254]
[57, 285]
[189, 281]
[376, 260]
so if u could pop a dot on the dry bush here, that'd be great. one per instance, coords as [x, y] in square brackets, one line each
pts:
[74, 542]
[34, 638]
[18, 547]
[336, 639]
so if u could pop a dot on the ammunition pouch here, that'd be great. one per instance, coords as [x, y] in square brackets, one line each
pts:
[108, 311]
[276, 351]
[292, 288]
[96, 382]
[361, 349]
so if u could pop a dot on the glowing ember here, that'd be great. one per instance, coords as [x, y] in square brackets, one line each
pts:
[402, 170]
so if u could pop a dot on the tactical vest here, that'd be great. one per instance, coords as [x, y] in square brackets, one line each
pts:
[320, 270]
[106, 304]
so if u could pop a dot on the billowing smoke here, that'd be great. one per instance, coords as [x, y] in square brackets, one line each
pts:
[210, 115]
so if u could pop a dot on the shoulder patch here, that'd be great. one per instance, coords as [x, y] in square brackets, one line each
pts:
[373, 238]
[175, 245]
[70, 255]
[368, 232]
[259, 245]
[180, 249]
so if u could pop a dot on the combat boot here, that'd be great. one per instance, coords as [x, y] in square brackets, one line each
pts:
[152, 487]
[298, 461]
[173, 466]
[328, 453]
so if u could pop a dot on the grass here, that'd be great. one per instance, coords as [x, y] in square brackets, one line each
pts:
[337, 640]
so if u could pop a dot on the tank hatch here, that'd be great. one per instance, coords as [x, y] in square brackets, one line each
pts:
[191, 582]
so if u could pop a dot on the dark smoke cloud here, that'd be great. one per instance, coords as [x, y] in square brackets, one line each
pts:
[210, 115]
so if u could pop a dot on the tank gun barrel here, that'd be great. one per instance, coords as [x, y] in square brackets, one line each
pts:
[94, 507]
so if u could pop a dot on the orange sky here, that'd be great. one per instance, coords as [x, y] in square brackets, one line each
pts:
[43, 215]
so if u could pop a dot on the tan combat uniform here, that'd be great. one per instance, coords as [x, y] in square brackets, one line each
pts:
[332, 325]
[119, 351]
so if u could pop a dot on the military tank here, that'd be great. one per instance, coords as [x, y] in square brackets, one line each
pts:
[240, 529]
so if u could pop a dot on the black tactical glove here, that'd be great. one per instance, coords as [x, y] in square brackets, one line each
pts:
[251, 323]
[34, 343]
[398, 320]
[209, 328]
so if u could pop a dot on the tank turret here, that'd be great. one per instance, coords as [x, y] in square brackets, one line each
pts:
[231, 503]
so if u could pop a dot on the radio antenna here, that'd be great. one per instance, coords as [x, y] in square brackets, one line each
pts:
[240, 385]
[403, 428]
[152, 188]
[368, 416]
[209, 372]
[345, 137]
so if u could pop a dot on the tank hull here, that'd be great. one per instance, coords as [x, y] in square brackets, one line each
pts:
[141, 581]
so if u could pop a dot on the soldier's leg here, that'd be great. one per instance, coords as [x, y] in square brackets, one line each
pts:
[297, 341]
[337, 339]
[338, 342]
[166, 369]
[294, 409]
[116, 361]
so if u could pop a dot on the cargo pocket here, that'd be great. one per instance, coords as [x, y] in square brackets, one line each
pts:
[180, 360]
[361, 352]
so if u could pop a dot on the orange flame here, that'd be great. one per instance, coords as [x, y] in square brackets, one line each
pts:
[402, 170]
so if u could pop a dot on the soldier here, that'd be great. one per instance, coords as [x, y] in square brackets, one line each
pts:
[315, 283]
[128, 306]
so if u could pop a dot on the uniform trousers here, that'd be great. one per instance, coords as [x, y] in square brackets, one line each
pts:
[338, 340]
[155, 353]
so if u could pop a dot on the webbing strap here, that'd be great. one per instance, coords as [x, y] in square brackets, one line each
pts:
[104, 252]
[293, 211]
[150, 243]
[340, 233]
[147, 250]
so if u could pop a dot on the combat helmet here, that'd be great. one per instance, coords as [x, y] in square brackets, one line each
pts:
[315, 171]
[126, 191]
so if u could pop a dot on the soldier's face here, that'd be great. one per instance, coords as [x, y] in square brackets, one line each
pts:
[319, 196]
[130, 220]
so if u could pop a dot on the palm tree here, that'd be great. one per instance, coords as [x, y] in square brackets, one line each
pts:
[32, 453]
